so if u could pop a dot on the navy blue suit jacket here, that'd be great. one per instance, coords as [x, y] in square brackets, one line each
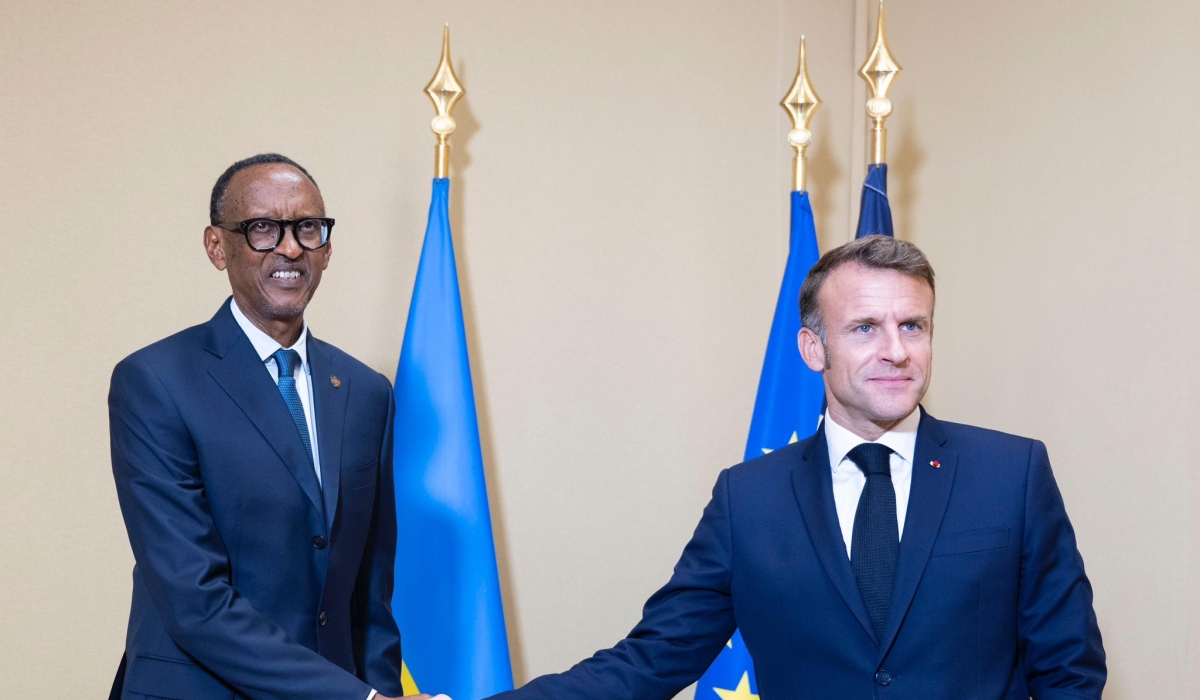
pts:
[990, 600]
[251, 580]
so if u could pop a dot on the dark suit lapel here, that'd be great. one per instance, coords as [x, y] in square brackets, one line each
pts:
[330, 406]
[248, 382]
[927, 499]
[813, 484]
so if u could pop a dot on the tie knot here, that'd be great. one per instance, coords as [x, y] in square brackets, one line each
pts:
[287, 361]
[872, 458]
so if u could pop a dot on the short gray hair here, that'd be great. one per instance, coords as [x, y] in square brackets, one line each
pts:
[874, 252]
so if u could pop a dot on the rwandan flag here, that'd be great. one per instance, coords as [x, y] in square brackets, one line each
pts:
[787, 408]
[447, 595]
[874, 213]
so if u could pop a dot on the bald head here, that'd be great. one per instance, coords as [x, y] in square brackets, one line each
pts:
[220, 190]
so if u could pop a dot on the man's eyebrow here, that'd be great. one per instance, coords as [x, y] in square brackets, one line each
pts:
[863, 321]
[919, 319]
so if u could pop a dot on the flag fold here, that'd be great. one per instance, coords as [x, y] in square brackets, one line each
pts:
[875, 212]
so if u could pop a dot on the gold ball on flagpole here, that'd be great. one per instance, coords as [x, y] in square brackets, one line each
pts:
[799, 137]
[443, 125]
[879, 107]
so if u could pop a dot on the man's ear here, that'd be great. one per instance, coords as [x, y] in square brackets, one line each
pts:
[812, 350]
[214, 245]
[327, 251]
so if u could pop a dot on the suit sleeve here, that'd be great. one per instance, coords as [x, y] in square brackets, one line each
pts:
[183, 561]
[683, 628]
[1060, 640]
[375, 624]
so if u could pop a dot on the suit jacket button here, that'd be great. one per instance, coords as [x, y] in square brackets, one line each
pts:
[319, 542]
[322, 618]
[882, 678]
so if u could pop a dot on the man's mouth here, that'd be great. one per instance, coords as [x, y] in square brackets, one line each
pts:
[285, 274]
[892, 381]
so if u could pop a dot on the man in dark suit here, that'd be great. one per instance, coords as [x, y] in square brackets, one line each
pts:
[253, 467]
[889, 555]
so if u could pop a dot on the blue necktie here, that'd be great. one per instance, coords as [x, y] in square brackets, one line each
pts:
[288, 360]
[875, 546]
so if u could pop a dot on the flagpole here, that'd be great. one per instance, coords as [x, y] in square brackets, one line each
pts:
[801, 103]
[445, 91]
[879, 71]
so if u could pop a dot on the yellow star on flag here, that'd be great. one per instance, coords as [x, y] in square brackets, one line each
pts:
[795, 439]
[742, 692]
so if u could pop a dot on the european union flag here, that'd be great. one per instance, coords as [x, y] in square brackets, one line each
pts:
[788, 407]
[874, 212]
[447, 595]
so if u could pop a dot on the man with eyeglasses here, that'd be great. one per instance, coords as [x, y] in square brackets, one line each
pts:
[253, 468]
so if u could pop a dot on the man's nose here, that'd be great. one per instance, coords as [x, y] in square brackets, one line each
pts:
[892, 348]
[289, 247]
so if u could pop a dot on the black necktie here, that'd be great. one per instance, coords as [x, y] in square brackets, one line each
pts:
[875, 547]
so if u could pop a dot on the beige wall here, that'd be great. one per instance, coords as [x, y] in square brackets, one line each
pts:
[1044, 162]
[620, 213]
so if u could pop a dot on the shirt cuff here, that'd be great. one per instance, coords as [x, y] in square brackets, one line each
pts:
[372, 694]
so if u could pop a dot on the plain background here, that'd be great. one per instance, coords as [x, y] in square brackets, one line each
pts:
[620, 211]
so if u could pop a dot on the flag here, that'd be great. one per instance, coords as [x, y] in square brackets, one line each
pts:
[874, 212]
[787, 408]
[790, 395]
[447, 591]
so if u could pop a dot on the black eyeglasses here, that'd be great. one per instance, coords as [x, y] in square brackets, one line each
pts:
[264, 234]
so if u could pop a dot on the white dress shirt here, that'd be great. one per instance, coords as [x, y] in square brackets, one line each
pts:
[266, 346]
[848, 479]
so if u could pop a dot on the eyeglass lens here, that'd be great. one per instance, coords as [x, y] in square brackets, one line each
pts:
[264, 234]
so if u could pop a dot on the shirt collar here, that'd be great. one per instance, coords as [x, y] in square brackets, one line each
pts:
[264, 344]
[902, 439]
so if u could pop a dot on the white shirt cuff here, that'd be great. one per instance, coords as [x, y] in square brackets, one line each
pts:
[372, 694]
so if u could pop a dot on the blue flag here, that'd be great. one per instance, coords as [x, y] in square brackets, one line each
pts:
[787, 408]
[874, 212]
[447, 594]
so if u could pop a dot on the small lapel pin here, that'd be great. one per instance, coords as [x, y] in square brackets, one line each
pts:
[337, 383]
[935, 464]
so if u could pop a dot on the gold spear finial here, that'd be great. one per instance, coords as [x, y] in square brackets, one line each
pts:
[801, 103]
[879, 71]
[445, 91]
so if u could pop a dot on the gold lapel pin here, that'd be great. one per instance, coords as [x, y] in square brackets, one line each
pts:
[337, 383]
[935, 464]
